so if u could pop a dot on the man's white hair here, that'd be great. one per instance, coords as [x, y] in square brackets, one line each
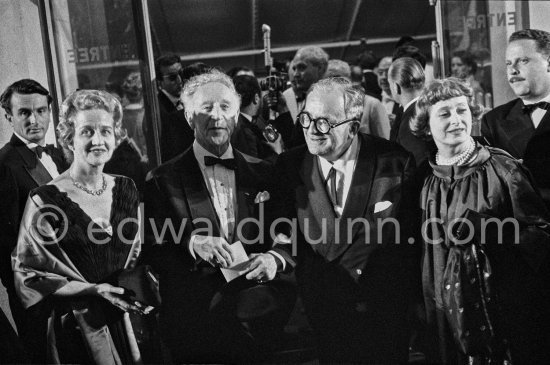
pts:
[194, 83]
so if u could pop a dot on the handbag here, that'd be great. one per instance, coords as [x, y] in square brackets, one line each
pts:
[140, 284]
[467, 294]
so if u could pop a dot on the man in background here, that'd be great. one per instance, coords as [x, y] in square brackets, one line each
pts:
[522, 126]
[26, 162]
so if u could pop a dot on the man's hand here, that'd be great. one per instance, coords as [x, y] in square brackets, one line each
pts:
[277, 146]
[214, 250]
[275, 101]
[262, 267]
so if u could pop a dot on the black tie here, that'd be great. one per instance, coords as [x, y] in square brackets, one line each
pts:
[331, 181]
[228, 162]
[46, 149]
[529, 108]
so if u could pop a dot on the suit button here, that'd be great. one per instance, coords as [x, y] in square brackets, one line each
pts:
[358, 271]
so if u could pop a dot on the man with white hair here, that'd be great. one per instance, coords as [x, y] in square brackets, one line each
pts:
[308, 66]
[209, 192]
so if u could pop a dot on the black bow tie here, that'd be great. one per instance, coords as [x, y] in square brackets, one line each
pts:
[227, 163]
[529, 108]
[46, 149]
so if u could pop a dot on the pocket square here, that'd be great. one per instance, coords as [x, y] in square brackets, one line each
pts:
[380, 206]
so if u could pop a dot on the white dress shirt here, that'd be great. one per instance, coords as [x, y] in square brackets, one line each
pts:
[222, 186]
[45, 160]
[537, 114]
[344, 166]
[410, 103]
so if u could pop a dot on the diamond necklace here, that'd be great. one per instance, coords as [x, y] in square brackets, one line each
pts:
[97, 192]
[458, 159]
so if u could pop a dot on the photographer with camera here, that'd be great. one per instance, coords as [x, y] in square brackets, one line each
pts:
[307, 67]
[252, 135]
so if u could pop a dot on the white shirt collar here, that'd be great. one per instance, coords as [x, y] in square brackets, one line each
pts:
[348, 158]
[200, 152]
[172, 98]
[28, 143]
[410, 103]
[547, 99]
[248, 117]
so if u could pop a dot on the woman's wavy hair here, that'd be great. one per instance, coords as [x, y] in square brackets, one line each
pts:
[435, 92]
[82, 100]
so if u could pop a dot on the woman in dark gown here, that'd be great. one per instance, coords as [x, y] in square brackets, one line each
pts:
[490, 182]
[75, 233]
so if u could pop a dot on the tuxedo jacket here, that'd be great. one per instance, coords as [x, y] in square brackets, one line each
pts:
[176, 192]
[509, 128]
[355, 281]
[20, 172]
[176, 134]
[420, 148]
[248, 139]
[165, 104]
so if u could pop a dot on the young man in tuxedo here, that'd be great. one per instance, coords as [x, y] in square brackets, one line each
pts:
[354, 277]
[26, 162]
[522, 126]
[207, 193]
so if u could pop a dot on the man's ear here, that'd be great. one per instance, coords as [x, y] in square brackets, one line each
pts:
[398, 89]
[354, 128]
[8, 117]
[257, 99]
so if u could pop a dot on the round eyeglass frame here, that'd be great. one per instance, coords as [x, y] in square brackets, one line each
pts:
[321, 124]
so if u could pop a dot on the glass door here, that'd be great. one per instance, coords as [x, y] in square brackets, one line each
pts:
[101, 44]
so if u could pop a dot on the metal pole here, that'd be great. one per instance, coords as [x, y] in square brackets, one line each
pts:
[147, 68]
[437, 46]
[54, 85]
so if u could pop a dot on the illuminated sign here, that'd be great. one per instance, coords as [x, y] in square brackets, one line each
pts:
[101, 54]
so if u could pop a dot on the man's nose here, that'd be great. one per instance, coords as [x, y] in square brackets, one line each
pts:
[312, 129]
[216, 112]
[32, 118]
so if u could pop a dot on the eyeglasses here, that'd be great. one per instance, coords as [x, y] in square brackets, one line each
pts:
[172, 77]
[321, 124]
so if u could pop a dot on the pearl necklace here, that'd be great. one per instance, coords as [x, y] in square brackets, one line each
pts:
[459, 159]
[97, 192]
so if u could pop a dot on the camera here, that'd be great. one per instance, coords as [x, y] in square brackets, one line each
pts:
[270, 133]
[274, 83]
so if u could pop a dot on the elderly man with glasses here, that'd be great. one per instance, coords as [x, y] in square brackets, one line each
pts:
[345, 195]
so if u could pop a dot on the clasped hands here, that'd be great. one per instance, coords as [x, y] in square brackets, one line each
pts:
[219, 253]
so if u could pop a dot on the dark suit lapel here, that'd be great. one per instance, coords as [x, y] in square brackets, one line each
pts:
[246, 189]
[314, 207]
[518, 129]
[189, 180]
[358, 197]
[34, 167]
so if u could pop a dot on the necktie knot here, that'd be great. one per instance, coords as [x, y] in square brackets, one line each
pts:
[228, 163]
[529, 108]
[39, 150]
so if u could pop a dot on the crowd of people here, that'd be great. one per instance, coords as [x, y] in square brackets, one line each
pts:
[359, 190]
